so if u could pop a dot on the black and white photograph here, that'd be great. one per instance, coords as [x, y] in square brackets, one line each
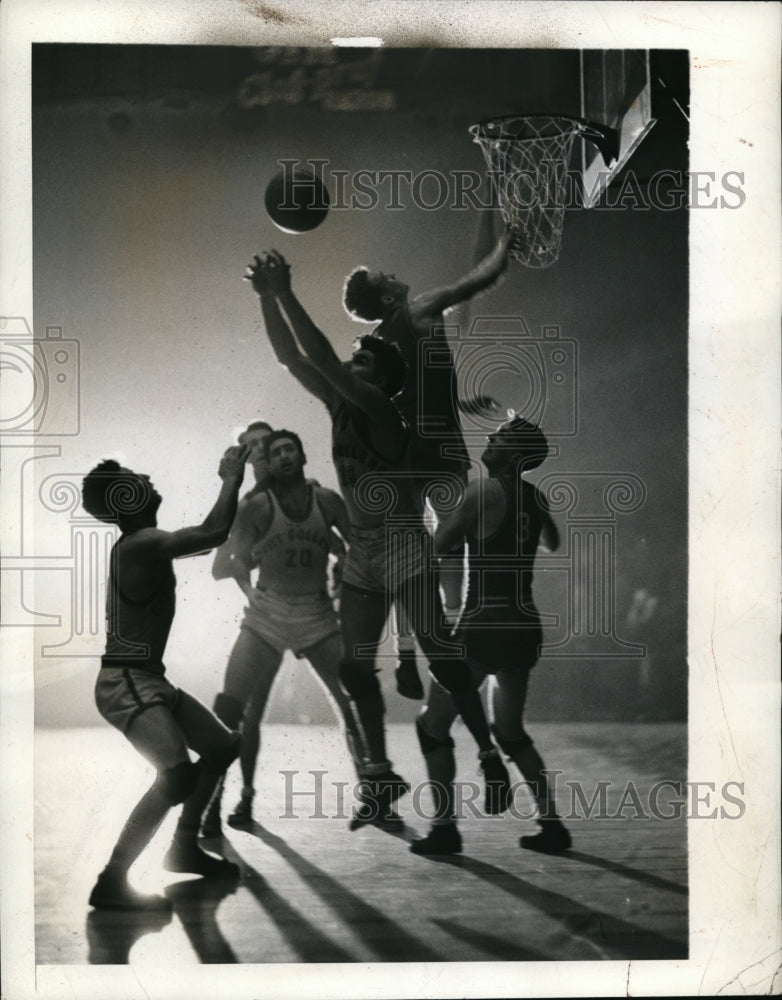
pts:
[390, 452]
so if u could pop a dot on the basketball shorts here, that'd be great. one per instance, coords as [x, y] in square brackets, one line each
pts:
[123, 693]
[380, 560]
[290, 621]
[498, 639]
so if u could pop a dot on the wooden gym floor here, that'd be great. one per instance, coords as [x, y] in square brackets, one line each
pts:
[311, 891]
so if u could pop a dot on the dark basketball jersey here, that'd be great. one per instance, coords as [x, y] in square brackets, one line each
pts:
[371, 485]
[137, 631]
[501, 565]
[293, 554]
[428, 402]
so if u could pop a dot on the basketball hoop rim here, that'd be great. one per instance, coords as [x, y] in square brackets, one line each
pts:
[576, 124]
[605, 138]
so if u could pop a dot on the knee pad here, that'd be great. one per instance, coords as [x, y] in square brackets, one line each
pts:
[220, 759]
[454, 675]
[228, 710]
[179, 781]
[357, 680]
[511, 747]
[427, 742]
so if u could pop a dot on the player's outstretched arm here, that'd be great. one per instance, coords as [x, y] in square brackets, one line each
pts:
[280, 336]
[389, 433]
[312, 341]
[153, 543]
[482, 276]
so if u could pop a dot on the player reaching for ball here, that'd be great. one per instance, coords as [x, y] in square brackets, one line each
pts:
[369, 445]
[161, 721]
[429, 401]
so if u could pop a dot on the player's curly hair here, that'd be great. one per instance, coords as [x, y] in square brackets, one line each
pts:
[389, 363]
[523, 436]
[97, 487]
[256, 425]
[362, 298]
[269, 440]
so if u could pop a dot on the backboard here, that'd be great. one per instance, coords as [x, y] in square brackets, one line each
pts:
[615, 91]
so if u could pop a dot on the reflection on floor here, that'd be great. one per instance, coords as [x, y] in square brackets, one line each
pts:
[311, 891]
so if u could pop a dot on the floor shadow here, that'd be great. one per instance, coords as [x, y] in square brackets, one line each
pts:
[386, 937]
[610, 936]
[633, 873]
[498, 948]
[307, 940]
[195, 902]
[112, 933]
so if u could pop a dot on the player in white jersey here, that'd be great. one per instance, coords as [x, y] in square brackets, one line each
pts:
[286, 532]
[387, 560]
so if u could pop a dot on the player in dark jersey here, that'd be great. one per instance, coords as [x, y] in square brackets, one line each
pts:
[132, 692]
[285, 532]
[503, 519]
[387, 558]
[429, 400]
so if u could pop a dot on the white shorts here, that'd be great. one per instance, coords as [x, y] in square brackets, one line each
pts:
[290, 621]
[381, 559]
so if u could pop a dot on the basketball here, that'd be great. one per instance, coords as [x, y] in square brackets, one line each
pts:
[297, 201]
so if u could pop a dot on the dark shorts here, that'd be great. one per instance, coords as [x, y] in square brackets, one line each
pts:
[495, 640]
[123, 693]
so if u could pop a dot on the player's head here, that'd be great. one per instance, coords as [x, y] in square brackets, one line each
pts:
[285, 454]
[254, 436]
[369, 295]
[516, 445]
[376, 361]
[117, 495]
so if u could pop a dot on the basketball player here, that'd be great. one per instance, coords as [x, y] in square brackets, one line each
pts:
[132, 693]
[286, 531]
[501, 517]
[253, 437]
[369, 445]
[429, 399]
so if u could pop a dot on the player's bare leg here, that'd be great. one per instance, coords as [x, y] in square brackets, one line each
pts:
[157, 737]
[363, 616]
[217, 747]
[408, 680]
[251, 669]
[433, 727]
[421, 599]
[508, 696]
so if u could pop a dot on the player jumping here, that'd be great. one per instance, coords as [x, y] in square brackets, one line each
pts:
[369, 446]
[429, 401]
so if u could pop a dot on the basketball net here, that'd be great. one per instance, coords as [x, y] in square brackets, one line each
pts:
[528, 157]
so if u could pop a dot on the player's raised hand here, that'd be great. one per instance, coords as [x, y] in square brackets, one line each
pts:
[278, 272]
[233, 462]
[257, 276]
